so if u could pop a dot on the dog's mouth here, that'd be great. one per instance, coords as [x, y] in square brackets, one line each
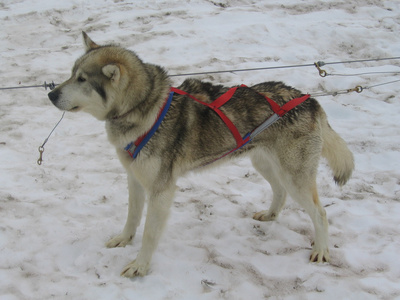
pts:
[74, 109]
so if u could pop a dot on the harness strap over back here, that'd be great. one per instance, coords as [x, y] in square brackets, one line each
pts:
[279, 111]
[215, 105]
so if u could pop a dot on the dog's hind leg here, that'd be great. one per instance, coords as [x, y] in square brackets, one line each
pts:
[307, 197]
[262, 164]
[317, 213]
[291, 172]
[157, 215]
[298, 176]
[135, 209]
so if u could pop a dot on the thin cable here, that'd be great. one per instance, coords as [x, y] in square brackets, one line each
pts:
[242, 70]
[41, 148]
[46, 85]
[358, 89]
[21, 87]
[52, 85]
[380, 84]
[361, 60]
[320, 63]
[359, 74]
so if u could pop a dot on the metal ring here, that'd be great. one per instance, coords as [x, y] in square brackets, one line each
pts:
[322, 73]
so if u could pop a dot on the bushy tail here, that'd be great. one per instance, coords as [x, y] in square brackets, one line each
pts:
[340, 158]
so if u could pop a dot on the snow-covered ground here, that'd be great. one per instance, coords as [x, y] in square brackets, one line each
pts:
[56, 218]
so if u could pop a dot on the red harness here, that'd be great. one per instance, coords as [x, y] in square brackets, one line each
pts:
[216, 104]
[134, 147]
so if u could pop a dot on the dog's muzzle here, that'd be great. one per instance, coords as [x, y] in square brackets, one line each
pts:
[54, 95]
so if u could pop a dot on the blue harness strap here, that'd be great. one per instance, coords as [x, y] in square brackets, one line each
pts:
[134, 148]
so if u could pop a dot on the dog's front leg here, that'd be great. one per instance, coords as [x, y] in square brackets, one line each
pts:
[157, 215]
[135, 209]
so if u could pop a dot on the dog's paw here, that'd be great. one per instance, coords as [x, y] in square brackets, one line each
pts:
[265, 216]
[320, 256]
[135, 269]
[120, 240]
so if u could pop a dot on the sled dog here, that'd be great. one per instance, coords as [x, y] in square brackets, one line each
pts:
[114, 85]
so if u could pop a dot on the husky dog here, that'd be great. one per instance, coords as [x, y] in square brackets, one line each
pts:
[114, 85]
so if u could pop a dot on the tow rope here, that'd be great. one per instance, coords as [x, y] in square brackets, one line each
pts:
[134, 148]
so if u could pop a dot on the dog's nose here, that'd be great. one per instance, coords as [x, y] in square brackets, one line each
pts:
[53, 95]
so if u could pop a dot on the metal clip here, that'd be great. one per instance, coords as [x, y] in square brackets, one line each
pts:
[357, 89]
[51, 85]
[318, 65]
[41, 150]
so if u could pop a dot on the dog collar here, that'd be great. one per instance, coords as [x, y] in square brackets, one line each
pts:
[134, 148]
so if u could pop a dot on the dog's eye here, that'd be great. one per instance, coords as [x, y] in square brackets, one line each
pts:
[81, 79]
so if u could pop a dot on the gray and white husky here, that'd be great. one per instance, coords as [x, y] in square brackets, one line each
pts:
[187, 132]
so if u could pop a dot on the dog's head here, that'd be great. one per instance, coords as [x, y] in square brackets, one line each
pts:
[101, 81]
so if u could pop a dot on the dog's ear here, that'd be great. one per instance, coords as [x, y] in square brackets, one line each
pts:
[113, 72]
[89, 44]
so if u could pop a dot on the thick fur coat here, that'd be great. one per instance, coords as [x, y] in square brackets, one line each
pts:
[114, 85]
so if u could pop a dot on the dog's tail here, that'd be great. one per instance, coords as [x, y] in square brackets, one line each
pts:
[335, 150]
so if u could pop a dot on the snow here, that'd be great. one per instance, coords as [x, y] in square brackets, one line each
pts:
[56, 218]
